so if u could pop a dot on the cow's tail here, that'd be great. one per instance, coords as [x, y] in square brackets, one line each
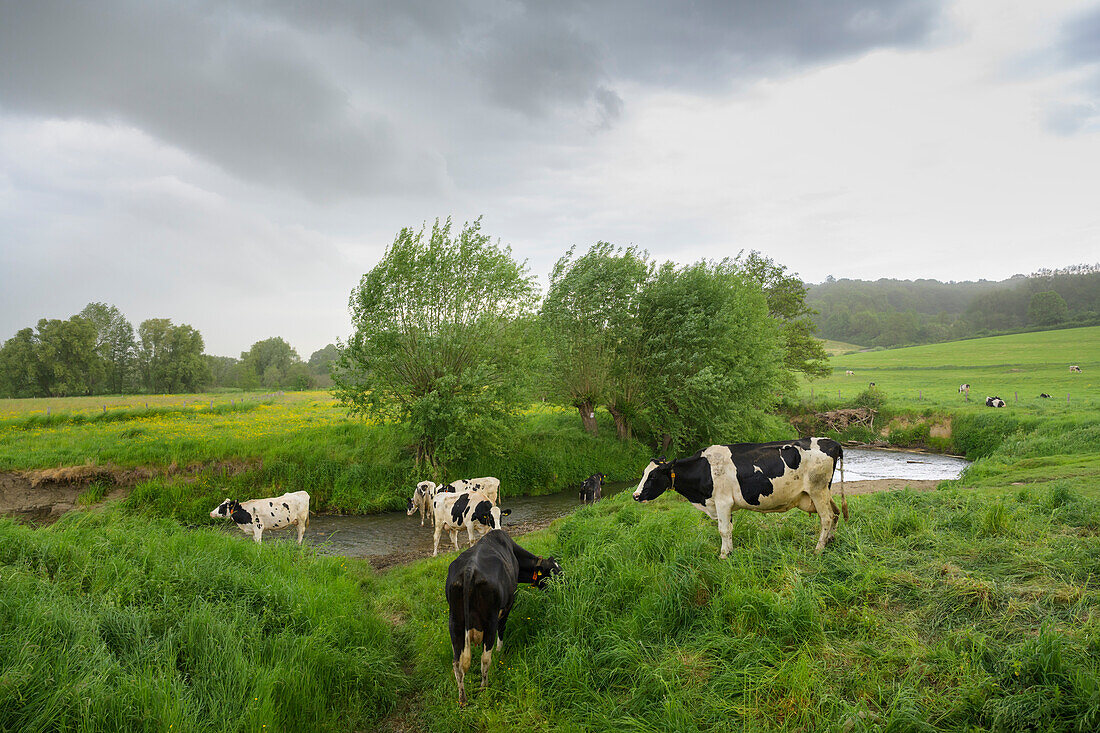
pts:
[467, 591]
[843, 496]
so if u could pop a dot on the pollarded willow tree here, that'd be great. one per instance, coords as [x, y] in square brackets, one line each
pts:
[588, 311]
[440, 324]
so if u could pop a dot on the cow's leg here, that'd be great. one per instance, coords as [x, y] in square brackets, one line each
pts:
[454, 538]
[500, 627]
[821, 501]
[488, 639]
[461, 656]
[257, 533]
[301, 530]
[470, 532]
[438, 530]
[725, 529]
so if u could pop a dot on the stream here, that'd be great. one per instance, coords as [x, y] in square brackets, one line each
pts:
[395, 532]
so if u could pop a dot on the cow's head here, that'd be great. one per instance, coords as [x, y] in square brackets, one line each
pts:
[411, 506]
[489, 515]
[225, 509]
[655, 481]
[545, 568]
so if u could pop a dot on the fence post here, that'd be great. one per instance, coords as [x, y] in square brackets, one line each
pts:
[838, 394]
[105, 409]
[1015, 396]
[811, 394]
[48, 407]
[920, 395]
[211, 404]
[1067, 398]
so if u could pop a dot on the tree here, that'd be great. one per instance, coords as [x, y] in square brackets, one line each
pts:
[269, 363]
[320, 361]
[225, 371]
[711, 353]
[114, 343]
[153, 353]
[1047, 308]
[21, 374]
[67, 359]
[591, 303]
[437, 341]
[786, 297]
[170, 357]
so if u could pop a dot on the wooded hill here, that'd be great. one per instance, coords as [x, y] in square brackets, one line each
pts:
[889, 312]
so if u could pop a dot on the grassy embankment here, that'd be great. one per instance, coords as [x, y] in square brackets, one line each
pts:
[286, 443]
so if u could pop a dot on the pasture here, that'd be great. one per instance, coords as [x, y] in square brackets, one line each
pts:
[1020, 364]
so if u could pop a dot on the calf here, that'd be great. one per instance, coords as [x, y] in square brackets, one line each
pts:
[592, 488]
[964, 388]
[994, 402]
[469, 509]
[1044, 396]
[256, 515]
[849, 373]
[1075, 368]
[763, 477]
[481, 587]
[422, 500]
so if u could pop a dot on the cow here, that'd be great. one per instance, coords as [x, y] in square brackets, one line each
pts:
[592, 488]
[849, 373]
[481, 587]
[422, 500]
[1075, 368]
[470, 509]
[964, 389]
[762, 477]
[1044, 396]
[486, 485]
[870, 384]
[994, 402]
[256, 515]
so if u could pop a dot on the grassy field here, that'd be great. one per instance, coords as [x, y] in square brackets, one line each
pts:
[245, 446]
[837, 348]
[1022, 365]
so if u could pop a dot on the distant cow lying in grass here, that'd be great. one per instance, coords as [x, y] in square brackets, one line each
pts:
[481, 587]
[763, 477]
[994, 402]
[1075, 368]
[469, 509]
[1044, 396]
[256, 515]
[592, 488]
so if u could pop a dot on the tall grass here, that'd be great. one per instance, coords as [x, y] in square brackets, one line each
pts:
[108, 624]
[939, 611]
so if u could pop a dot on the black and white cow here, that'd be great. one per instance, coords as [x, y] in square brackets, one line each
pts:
[994, 402]
[1075, 368]
[762, 477]
[256, 515]
[1044, 396]
[421, 500]
[470, 509]
[481, 587]
[964, 388]
[592, 488]
[849, 373]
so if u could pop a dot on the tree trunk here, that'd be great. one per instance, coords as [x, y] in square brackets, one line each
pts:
[622, 427]
[666, 441]
[588, 416]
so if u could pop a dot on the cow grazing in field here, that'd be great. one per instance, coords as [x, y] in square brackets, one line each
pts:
[470, 509]
[481, 587]
[762, 477]
[1075, 368]
[487, 485]
[871, 384]
[994, 402]
[256, 515]
[849, 373]
[964, 389]
[592, 488]
[422, 500]
[1044, 396]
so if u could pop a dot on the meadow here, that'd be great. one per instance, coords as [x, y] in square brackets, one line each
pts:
[971, 607]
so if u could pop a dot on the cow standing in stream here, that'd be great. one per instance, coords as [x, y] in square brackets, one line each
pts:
[762, 477]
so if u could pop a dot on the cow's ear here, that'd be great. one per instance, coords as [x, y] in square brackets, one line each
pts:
[505, 512]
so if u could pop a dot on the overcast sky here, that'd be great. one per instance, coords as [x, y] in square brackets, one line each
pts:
[239, 165]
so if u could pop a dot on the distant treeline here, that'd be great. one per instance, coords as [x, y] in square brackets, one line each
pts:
[97, 351]
[904, 312]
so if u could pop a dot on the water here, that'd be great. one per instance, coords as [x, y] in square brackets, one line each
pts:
[393, 532]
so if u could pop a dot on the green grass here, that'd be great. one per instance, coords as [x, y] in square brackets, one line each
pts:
[109, 624]
[1021, 364]
[836, 348]
[941, 611]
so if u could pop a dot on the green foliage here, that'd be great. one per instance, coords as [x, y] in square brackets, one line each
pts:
[872, 398]
[439, 324]
[711, 354]
[1047, 309]
[109, 623]
[274, 364]
[170, 357]
[115, 345]
[67, 360]
[20, 372]
[320, 361]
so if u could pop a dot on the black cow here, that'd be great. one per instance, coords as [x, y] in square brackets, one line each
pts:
[994, 402]
[481, 587]
[592, 488]
[763, 477]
